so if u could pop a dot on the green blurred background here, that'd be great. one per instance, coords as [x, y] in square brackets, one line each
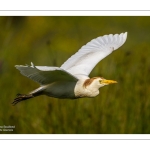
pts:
[49, 41]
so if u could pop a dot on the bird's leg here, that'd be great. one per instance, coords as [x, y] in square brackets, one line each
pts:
[21, 97]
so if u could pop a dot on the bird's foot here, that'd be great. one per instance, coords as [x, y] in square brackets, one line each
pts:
[21, 97]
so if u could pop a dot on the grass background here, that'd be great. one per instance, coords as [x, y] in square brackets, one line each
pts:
[49, 41]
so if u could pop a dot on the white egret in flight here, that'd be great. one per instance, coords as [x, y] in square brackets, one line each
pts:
[71, 80]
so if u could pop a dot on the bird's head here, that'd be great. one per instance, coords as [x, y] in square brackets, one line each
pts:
[97, 82]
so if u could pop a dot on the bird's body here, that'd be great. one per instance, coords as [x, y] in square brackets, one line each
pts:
[71, 80]
[66, 89]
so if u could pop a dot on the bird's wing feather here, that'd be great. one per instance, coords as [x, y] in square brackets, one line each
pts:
[45, 75]
[82, 62]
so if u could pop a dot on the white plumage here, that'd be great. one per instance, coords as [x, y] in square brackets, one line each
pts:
[90, 54]
[71, 79]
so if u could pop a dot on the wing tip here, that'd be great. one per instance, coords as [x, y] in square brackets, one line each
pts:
[18, 66]
[125, 36]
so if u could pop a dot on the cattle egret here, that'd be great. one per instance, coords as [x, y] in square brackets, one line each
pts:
[71, 80]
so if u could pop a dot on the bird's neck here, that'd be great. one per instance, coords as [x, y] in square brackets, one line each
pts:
[86, 88]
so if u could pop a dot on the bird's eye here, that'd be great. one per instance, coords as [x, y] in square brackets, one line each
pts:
[100, 81]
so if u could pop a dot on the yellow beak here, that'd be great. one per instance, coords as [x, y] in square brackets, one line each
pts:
[108, 81]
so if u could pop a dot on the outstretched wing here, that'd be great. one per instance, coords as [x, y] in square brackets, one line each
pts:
[82, 62]
[45, 75]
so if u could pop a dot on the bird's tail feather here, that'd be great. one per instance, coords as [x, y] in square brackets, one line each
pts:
[22, 97]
